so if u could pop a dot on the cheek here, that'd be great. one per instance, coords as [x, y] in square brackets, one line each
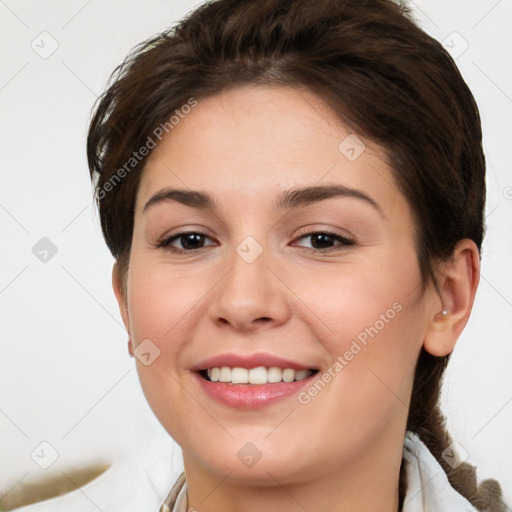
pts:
[157, 310]
[159, 324]
[364, 300]
[373, 318]
[162, 301]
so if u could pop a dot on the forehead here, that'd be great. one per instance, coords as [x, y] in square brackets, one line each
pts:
[252, 142]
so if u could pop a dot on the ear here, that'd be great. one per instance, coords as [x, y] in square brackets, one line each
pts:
[117, 285]
[458, 283]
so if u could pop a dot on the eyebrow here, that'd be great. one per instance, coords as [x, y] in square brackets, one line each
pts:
[289, 199]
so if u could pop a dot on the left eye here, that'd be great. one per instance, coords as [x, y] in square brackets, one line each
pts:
[324, 241]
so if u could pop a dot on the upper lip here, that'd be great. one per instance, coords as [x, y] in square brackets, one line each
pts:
[248, 361]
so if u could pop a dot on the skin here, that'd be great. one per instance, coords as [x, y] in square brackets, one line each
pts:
[245, 146]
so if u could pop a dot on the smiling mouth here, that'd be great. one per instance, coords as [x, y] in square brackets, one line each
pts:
[257, 376]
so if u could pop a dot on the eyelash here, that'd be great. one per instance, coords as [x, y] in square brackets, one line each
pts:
[165, 243]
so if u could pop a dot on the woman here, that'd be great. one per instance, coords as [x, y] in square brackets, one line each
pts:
[294, 195]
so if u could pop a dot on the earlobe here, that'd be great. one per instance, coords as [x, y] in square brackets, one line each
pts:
[440, 339]
[458, 284]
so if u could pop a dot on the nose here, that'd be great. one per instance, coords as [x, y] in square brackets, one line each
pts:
[251, 296]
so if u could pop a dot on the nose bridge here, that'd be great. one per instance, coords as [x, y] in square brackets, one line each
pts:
[250, 293]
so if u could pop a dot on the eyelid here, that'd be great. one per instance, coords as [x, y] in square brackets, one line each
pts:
[311, 230]
[345, 241]
[165, 241]
[184, 230]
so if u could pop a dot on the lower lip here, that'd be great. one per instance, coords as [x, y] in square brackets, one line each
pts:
[250, 396]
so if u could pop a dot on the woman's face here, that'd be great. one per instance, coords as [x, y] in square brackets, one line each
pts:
[301, 258]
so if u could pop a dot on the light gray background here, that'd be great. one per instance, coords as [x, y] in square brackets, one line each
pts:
[65, 374]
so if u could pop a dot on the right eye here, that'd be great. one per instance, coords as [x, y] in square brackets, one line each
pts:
[189, 240]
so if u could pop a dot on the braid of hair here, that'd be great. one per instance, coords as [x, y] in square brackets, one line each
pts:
[426, 420]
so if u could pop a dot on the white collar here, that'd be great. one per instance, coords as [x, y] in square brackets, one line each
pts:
[428, 488]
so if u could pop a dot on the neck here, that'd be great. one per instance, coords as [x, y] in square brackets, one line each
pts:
[367, 484]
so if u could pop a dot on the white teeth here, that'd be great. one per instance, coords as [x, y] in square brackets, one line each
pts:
[257, 376]
[289, 375]
[301, 374]
[274, 374]
[225, 374]
[239, 376]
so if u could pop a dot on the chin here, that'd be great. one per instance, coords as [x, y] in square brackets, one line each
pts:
[260, 462]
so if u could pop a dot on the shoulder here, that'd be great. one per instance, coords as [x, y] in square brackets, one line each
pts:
[131, 485]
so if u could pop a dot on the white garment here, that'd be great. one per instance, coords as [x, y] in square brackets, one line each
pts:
[428, 488]
[136, 485]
